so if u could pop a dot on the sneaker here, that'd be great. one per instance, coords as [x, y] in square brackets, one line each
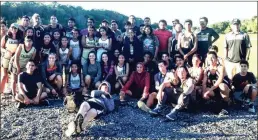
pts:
[156, 110]
[172, 115]
[251, 108]
[143, 106]
[19, 105]
[223, 112]
[71, 129]
[44, 103]
[78, 123]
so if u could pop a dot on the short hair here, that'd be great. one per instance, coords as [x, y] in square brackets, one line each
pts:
[113, 21]
[47, 33]
[244, 62]
[29, 28]
[189, 20]
[25, 16]
[72, 19]
[164, 21]
[76, 30]
[186, 70]
[177, 20]
[205, 18]
[178, 56]
[166, 53]
[31, 61]
[142, 25]
[214, 47]
[180, 25]
[146, 18]
[162, 61]
[214, 53]
[128, 23]
[91, 19]
[148, 53]
[3, 22]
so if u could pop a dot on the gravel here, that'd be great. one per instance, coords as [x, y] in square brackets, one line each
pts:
[126, 122]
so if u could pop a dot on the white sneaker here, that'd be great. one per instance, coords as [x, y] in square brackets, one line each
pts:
[71, 129]
[251, 109]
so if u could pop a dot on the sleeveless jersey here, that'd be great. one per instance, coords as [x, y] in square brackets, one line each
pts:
[75, 81]
[63, 52]
[187, 43]
[76, 51]
[25, 56]
[10, 47]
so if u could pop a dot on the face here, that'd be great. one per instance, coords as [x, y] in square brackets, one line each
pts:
[146, 58]
[174, 23]
[104, 58]
[3, 27]
[162, 67]
[147, 22]
[127, 27]
[147, 30]
[47, 38]
[165, 57]
[116, 53]
[90, 31]
[71, 23]
[235, 27]
[53, 20]
[181, 73]
[75, 34]
[203, 23]
[14, 30]
[30, 66]
[36, 20]
[114, 26]
[64, 41]
[92, 57]
[121, 59]
[29, 32]
[130, 33]
[178, 28]
[28, 42]
[56, 35]
[25, 22]
[139, 68]
[212, 59]
[51, 58]
[188, 26]
[162, 25]
[131, 19]
[179, 62]
[90, 23]
[244, 68]
[104, 88]
[196, 61]
[102, 32]
[74, 68]
[142, 29]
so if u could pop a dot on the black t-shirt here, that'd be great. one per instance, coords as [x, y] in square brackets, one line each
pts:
[239, 82]
[204, 40]
[30, 82]
[46, 50]
[58, 28]
[174, 47]
[38, 36]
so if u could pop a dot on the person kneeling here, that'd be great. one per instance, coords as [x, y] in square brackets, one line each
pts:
[30, 88]
[100, 103]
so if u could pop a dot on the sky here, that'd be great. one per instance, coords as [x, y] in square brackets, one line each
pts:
[215, 11]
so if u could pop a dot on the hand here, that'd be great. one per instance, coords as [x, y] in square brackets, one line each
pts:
[26, 101]
[206, 94]
[52, 77]
[36, 100]
[185, 57]
[54, 92]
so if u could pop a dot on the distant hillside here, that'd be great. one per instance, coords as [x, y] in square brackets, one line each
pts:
[11, 11]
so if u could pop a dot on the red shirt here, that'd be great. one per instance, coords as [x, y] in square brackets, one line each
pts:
[163, 36]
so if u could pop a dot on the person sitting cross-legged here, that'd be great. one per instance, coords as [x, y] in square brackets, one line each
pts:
[30, 88]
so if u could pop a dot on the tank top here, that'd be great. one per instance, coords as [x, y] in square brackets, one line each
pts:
[213, 77]
[63, 52]
[104, 43]
[86, 50]
[10, 47]
[121, 70]
[25, 56]
[75, 81]
[76, 51]
[187, 43]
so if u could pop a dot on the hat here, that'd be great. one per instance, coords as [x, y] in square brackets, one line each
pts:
[15, 25]
[236, 21]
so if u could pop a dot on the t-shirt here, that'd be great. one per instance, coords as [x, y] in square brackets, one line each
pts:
[30, 83]
[239, 81]
[163, 36]
[236, 45]
[150, 44]
[46, 50]
[38, 35]
[204, 40]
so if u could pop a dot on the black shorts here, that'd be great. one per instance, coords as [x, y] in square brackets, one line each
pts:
[95, 105]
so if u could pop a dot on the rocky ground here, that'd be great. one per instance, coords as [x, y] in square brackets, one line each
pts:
[126, 122]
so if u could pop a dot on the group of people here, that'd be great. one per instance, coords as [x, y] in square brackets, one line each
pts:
[155, 66]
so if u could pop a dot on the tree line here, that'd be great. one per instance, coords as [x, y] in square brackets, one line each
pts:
[13, 11]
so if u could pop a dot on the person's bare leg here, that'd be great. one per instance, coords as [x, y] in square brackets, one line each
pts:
[254, 92]
[87, 80]
[43, 96]
[224, 91]
[151, 99]
[59, 82]
[3, 79]
[14, 81]
[19, 97]
[91, 114]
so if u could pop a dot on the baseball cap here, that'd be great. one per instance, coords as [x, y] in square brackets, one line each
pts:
[236, 21]
[15, 25]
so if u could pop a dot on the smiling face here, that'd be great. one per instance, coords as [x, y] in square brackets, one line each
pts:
[203, 23]
[53, 20]
[162, 25]
[30, 66]
[29, 32]
[139, 68]
[56, 35]
[52, 58]
[121, 59]
[181, 73]
[74, 68]
[71, 23]
[64, 41]
[3, 27]
[102, 32]
[147, 30]
[25, 22]
[92, 57]
[47, 39]
[212, 59]
[105, 58]
[162, 67]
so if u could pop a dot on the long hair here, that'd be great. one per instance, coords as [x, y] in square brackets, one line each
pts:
[144, 35]
[18, 34]
[88, 59]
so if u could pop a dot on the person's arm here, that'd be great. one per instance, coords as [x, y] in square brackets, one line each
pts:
[194, 49]
[39, 92]
[215, 36]
[157, 47]
[116, 72]
[83, 41]
[190, 87]
[67, 83]
[180, 45]
[200, 76]
[248, 46]
[59, 69]
[3, 42]
[21, 86]
[17, 58]
[204, 81]
[109, 44]
[127, 70]
[34, 54]
[157, 84]
[169, 46]
[70, 52]
[128, 83]
[97, 78]
[85, 69]
[220, 79]
[44, 76]
[254, 81]
[225, 48]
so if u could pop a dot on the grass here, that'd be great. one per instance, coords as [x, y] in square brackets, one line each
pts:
[253, 53]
